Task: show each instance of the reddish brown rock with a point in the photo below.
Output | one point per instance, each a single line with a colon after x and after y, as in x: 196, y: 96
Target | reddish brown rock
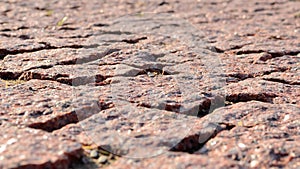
x: 45, y: 105
x: 285, y: 77
x: 137, y: 132
x: 13, y: 66
x: 35, y: 102
x: 31, y: 148
x: 261, y: 90
x: 254, y: 139
x: 236, y: 144
x: 74, y: 132
x: 116, y: 64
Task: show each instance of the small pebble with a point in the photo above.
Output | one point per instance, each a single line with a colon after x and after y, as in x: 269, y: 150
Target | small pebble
x: 286, y: 117
x: 242, y: 145
x: 94, y: 154
x: 102, y: 159
x: 254, y: 163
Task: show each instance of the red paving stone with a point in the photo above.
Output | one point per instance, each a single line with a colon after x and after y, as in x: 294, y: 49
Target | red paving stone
x: 160, y: 84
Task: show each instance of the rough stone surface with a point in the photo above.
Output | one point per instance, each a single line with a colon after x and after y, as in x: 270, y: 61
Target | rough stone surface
x: 34, y: 102
x: 149, y: 84
x: 256, y: 129
x: 32, y: 148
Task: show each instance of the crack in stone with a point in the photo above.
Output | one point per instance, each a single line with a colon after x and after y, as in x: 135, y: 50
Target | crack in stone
x: 274, y: 54
x: 134, y: 40
x: 195, y: 142
x: 101, y: 25
x: 5, y: 52
x: 92, y: 57
x: 16, y: 29
x: 207, y: 105
x: 10, y: 75
x: 219, y: 50
x: 245, y: 97
x: 282, y: 81
x: 56, y: 123
x: 152, y: 72
x: 27, y: 75
x: 65, y: 79
x: 76, y: 36
x: 114, y: 33
x: 215, y: 49
x: 242, y: 52
x: 244, y: 76
x: 23, y: 36
x: 71, y: 117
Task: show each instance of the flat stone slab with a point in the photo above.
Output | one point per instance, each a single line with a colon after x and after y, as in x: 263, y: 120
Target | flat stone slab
x: 137, y: 132
x: 46, y: 105
x: 37, y: 103
x: 236, y: 142
x: 32, y: 148
x: 257, y: 128
x: 262, y: 90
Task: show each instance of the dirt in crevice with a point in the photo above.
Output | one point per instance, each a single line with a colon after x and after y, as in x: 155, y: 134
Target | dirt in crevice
x: 94, y: 157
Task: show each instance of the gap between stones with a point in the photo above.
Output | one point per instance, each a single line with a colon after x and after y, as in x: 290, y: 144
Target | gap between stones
x: 5, y: 52
x: 69, y: 118
x: 60, y: 78
x: 56, y: 123
x: 281, y: 81
x: 245, y: 97
x: 195, y: 142
x: 64, y: 79
x: 204, y: 108
x: 244, y: 76
x: 18, y: 75
x: 274, y: 54
x: 16, y: 29
x: 219, y: 50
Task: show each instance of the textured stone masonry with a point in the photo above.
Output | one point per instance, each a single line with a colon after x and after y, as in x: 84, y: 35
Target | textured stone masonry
x: 149, y: 84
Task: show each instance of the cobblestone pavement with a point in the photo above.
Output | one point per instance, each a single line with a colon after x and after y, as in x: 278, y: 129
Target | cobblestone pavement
x: 149, y: 84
